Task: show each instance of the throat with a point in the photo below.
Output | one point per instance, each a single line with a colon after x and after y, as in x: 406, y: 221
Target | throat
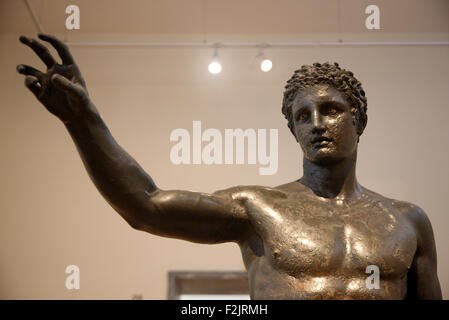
x: 337, y: 181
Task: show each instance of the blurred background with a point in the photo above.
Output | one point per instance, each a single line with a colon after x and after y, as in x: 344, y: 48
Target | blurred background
x: 51, y: 214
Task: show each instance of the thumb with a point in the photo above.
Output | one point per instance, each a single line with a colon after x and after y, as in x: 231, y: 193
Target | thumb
x: 64, y: 84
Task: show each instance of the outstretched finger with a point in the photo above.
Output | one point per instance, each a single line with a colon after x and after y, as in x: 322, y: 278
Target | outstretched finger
x: 32, y: 84
x: 64, y: 84
x: 40, y: 50
x: 60, y: 46
x: 29, y: 71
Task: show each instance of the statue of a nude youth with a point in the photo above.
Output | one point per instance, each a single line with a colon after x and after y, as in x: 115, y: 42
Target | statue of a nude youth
x: 311, y: 238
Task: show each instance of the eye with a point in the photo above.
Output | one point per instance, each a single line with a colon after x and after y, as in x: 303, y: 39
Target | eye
x: 331, y: 110
x: 303, y: 116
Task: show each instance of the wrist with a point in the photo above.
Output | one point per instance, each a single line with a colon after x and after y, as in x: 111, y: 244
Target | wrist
x: 89, y: 119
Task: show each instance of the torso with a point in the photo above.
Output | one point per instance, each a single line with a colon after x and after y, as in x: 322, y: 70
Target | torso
x: 301, y: 246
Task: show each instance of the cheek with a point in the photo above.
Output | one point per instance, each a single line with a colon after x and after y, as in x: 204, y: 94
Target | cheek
x: 303, y: 135
x: 344, y: 132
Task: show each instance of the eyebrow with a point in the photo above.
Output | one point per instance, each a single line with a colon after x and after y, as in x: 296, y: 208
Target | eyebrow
x: 323, y: 102
x: 297, y: 112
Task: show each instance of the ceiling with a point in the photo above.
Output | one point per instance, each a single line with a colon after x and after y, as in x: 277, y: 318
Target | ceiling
x: 247, y: 17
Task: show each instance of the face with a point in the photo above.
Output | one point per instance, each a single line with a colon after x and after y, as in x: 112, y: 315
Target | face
x: 324, y: 124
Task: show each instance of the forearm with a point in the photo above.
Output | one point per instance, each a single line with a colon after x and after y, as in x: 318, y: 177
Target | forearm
x: 118, y: 177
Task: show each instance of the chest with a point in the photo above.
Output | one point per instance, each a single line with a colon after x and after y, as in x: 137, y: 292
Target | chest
x: 315, y: 239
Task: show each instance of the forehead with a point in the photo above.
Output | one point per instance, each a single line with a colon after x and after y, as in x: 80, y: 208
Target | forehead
x: 317, y: 94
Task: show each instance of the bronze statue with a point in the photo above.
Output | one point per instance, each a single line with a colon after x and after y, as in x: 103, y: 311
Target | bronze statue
x: 312, y: 238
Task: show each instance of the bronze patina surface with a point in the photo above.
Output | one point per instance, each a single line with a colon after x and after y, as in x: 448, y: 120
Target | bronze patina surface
x: 312, y: 238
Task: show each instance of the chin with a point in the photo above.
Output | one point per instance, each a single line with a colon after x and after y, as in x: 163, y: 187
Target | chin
x: 324, y: 157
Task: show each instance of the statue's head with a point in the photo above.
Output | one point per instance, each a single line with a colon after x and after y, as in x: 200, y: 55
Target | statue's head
x: 326, y: 111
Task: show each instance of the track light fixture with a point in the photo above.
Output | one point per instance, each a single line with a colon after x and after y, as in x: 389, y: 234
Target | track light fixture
x: 215, y: 65
x: 264, y: 63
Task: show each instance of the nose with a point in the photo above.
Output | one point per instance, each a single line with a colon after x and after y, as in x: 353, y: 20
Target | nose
x: 317, y: 122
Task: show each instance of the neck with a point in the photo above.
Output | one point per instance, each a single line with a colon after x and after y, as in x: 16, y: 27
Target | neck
x: 337, y: 180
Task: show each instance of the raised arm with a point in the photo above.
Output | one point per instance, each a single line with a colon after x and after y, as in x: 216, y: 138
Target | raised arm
x: 193, y: 216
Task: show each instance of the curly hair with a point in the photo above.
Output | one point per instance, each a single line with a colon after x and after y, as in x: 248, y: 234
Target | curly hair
x: 331, y: 74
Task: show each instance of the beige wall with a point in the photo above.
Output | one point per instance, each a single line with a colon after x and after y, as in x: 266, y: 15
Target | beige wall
x: 52, y: 216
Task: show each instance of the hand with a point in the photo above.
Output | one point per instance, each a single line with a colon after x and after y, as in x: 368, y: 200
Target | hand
x: 61, y: 89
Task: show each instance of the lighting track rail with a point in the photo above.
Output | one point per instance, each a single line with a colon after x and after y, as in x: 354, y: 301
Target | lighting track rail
x: 222, y: 45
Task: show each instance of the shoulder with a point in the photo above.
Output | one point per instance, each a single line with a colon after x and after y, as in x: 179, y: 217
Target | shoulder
x: 413, y: 213
x: 293, y: 186
x: 416, y: 215
x: 231, y: 192
x: 407, y: 209
x: 250, y: 191
x: 418, y: 219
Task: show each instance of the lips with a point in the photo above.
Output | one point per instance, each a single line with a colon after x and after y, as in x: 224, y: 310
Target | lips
x: 321, y: 139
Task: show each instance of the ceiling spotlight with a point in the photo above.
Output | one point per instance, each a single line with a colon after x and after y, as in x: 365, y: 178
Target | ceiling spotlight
x: 215, y: 66
x: 266, y: 65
